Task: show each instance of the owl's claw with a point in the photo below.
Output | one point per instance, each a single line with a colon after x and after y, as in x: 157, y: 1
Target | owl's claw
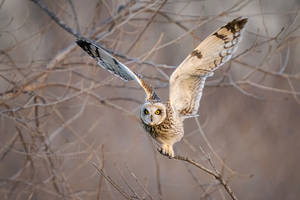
x: 166, y: 150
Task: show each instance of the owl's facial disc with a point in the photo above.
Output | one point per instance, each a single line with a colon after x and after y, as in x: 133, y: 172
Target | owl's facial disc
x: 153, y: 113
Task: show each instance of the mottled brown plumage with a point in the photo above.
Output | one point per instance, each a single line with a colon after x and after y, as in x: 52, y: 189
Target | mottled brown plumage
x: 164, y: 121
x: 168, y: 132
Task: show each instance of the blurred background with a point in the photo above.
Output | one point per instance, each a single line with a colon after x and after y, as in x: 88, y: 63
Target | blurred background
x: 70, y: 130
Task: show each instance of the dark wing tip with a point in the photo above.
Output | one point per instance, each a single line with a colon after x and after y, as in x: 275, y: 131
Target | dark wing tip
x: 241, y: 22
x: 86, y: 46
x: 82, y: 43
x: 236, y: 24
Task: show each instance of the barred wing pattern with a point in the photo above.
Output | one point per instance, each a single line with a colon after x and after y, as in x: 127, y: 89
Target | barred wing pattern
x: 187, y: 81
x: 108, y: 62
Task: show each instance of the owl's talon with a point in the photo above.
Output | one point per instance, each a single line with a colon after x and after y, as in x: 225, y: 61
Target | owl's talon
x: 166, y: 150
x: 159, y: 150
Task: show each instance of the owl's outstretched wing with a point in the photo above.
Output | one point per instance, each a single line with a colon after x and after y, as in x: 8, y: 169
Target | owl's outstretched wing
x: 187, y: 81
x: 108, y: 62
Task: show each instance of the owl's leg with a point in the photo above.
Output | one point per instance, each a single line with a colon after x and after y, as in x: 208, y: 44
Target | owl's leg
x: 167, y: 150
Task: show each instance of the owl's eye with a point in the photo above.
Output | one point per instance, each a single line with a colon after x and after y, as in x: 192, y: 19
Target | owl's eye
x: 146, y: 112
x: 158, y: 112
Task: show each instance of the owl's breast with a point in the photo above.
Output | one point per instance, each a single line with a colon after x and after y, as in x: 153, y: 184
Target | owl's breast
x: 150, y: 129
x: 169, y: 129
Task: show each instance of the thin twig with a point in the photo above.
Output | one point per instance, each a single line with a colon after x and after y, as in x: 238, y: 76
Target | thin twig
x: 208, y: 171
x: 55, y: 18
x: 112, y: 182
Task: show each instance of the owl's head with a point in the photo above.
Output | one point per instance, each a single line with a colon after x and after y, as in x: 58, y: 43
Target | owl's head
x: 153, y: 113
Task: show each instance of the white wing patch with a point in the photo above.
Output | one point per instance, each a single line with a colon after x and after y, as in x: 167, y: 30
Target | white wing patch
x: 187, y: 81
x: 108, y: 62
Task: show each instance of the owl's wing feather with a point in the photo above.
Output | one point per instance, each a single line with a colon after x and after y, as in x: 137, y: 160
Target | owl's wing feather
x: 187, y: 81
x: 108, y: 62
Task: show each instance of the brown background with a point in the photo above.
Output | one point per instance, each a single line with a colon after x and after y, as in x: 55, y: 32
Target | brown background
x: 77, y: 114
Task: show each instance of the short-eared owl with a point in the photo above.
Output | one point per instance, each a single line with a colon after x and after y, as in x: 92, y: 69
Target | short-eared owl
x: 164, y: 121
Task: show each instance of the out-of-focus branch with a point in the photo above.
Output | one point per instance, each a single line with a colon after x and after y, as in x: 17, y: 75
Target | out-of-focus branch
x: 55, y: 18
x: 146, y: 27
x: 75, y: 16
x: 112, y: 182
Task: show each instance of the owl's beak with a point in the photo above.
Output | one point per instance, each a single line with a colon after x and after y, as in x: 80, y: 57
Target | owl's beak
x: 151, y: 120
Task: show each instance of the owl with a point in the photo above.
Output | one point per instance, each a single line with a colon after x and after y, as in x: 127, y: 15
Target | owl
x: 164, y: 120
